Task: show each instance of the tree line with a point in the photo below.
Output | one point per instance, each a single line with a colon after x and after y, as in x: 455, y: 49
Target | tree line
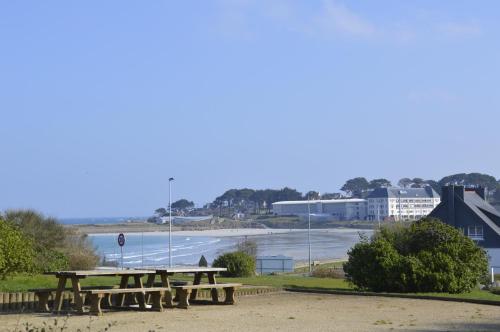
x: 261, y: 200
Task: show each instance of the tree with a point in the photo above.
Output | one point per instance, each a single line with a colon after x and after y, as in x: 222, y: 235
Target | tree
x: 418, y: 183
x: 379, y: 183
x: 56, y: 248
x: 238, y: 264
x: 427, y: 256
x: 203, y: 261
x: 471, y: 179
x: 434, y: 185
x: 182, y: 204
x: 16, y: 250
x: 405, y: 182
x: 356, y: 186
x: 331, y: 196
x: 312, y: 195
x: 161, y: 212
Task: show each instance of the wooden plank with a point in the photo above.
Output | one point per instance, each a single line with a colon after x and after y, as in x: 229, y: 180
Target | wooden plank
x: 208, y: 286
x: 90, y: 273
x: 125, y: 290
x: 195, y: 269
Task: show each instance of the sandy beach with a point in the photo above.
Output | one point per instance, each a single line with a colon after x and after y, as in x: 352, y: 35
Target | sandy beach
x: 226, y: 232
x: 292, y: 312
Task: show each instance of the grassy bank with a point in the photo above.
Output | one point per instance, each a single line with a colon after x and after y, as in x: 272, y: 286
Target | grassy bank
x: 23, y: 283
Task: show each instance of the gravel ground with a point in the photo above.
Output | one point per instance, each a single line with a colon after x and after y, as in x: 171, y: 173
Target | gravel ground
x: 289, y: 312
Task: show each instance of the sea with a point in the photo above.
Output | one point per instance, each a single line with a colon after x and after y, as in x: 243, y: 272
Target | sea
x: 152, y: 249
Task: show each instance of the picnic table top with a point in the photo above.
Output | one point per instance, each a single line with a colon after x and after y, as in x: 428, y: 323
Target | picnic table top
x: 189, y: 269
x: 111, y: 272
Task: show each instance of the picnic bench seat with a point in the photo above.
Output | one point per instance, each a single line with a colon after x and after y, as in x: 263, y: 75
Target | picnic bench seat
x: 183, y: 292
x: 44, y: 294
x: 157, y: 294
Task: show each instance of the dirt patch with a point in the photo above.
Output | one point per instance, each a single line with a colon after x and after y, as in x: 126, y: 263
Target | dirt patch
x: 292, y: 312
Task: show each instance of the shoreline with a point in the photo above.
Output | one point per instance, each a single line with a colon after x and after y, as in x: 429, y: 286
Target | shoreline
x: 138, y: 228
x: 231, y: 232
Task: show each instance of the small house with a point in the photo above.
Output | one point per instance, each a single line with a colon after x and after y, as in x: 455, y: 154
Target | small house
x: 468, y: 210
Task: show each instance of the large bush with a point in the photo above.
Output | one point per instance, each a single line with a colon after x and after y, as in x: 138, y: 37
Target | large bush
x: 427, y: 256
x: 238, y: 264
x: 56, y: 248
x: 16, y: 251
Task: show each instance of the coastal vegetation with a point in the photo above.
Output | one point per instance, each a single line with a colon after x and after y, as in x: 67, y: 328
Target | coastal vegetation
x: 46, y: 245
x: 238, y: 264
x: 426, y: 256
x: 16, y: 251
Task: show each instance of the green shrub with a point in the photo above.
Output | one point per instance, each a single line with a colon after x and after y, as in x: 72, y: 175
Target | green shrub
x: 495, y: 290
x: 56, y: 248
x: 51, y: 260
x: 81, y: 254
x: 238, y: 264
x: 427, y: 256
x: 16, y: 251
x: 322, y: 272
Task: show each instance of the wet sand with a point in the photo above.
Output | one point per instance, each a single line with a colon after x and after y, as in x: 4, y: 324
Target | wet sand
x: 293, y: 312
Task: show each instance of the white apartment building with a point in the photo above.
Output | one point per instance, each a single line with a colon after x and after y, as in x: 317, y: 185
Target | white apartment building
x: 333, y: 209
x: 401, y: 204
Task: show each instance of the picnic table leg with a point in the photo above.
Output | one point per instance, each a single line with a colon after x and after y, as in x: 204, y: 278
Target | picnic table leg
x: 60, y: 289
x: 150, y: 283
x: 211, y: 280
x: 75, y: 282
x: 197, y: 281
x: 140, y: 296
x: 165, y: 282
x: 121, y: 297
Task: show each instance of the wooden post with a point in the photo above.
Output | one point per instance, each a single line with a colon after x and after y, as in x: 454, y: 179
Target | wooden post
x: 12, y: 301
x: 6, y: 301
x: 1, y: 302
x: 31, y: 300
x: 150, y: 283
x: 120, y: 299
x: 211, y: 280
x: 60, y: 289
x: 25, y: 302
x: 140, y: 296
x: 75, y: 282
x: 197, y: 280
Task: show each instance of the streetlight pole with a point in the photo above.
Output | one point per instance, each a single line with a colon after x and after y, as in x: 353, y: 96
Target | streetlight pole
x: 170, y: 221
x: 309, y: 230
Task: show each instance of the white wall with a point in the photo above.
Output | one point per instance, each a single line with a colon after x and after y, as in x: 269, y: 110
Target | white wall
x: 494, y: 257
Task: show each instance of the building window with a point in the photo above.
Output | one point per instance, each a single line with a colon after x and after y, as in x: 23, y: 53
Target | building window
x: 476, y: 232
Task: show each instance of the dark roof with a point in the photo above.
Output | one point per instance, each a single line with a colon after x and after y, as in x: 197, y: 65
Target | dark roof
x: 403, y: 193
x: 470, y: 199
x: 483, y: 209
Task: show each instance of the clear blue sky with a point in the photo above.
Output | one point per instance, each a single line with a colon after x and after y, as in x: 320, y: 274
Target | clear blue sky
x: 102, y: 101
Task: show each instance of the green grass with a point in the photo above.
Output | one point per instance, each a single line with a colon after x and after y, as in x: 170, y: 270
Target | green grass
x: 23, y: 283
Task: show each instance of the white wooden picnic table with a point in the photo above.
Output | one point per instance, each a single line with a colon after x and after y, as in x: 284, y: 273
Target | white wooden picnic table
x: 198, y: 272
x: 76, y: 276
